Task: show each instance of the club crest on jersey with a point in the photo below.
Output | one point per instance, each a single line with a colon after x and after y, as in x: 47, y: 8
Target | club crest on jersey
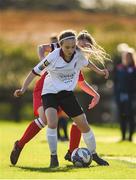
x: 45, y: 64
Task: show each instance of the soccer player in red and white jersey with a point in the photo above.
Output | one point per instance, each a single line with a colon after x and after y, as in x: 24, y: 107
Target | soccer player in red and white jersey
x: 55, y: 83
x: 40, y: 122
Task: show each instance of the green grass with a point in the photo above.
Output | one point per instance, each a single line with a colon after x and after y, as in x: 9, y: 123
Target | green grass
x: 34, y: 159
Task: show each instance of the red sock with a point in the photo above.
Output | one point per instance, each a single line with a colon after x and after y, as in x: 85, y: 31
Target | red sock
x: 75, y: 136
x: 30, y: 132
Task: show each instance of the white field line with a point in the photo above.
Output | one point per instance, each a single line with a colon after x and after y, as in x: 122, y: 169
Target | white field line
x: 122, y: 158
x: 111, y: 139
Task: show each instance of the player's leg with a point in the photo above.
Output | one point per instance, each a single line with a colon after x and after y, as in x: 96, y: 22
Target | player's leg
x: 36, y: 125
x: 50, y: 107
x: 75, y: 136
x: 51, y: 133
x: 72, y: 108
x: 33, y: 128
x: 89, y: 138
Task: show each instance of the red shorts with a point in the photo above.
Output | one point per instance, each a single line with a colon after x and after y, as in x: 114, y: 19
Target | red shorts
x: 37, y: 100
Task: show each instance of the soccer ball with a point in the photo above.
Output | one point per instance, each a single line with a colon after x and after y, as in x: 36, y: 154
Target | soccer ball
x: 81, y: 157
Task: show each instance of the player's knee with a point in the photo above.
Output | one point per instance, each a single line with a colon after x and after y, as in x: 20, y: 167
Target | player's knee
x: 52, y: 124
x: 44, y: 120
x: 84, y: 127
x: 40, y: 123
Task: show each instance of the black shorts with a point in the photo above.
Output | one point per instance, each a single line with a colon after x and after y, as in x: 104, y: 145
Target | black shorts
x: 64, y: 99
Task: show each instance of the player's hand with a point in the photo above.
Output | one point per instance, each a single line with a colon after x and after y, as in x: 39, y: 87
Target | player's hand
x: 94, y: 101
x: 105, y: 73
x: 18, y: 93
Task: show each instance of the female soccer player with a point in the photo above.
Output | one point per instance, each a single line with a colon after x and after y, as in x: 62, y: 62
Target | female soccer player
x: 63, y: 66
x: 36, y: 125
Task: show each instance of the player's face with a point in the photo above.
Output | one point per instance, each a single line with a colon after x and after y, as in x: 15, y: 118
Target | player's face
x: 68, y: 47
x: 127, y: 59
x: 83, y: 43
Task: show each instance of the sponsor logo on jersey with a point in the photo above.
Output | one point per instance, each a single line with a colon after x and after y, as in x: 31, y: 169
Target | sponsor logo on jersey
x: 66, y: 78
x: 61, y: 67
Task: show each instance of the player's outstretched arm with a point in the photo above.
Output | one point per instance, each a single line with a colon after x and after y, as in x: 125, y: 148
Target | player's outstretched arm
x: 89, y: 90
x: 28, y: 80
x: 103, y: 72
x: 42, y: 49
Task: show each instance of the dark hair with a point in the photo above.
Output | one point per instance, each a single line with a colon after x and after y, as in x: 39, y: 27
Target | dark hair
x: 54, y: 39
x: 131, y: 58
x: 65, y: 34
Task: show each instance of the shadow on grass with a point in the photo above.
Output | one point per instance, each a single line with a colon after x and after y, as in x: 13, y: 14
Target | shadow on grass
x: 47, y: 169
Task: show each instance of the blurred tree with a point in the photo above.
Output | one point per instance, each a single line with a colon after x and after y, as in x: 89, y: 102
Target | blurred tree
x: 40, y: 4
x: 115, y: 7
x: 15, y: 61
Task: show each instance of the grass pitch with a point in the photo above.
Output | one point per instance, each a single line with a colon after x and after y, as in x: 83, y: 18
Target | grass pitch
x: 34, y: 159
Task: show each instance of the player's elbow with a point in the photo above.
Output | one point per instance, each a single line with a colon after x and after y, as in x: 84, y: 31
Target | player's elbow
x: 80, y: 83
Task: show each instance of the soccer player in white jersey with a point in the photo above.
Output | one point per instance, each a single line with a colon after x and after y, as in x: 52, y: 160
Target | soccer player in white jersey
x: 63, y: 66
x: 84, y: 39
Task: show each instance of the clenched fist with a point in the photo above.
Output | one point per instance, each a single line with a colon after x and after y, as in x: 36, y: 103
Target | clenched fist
x: 18, y: 93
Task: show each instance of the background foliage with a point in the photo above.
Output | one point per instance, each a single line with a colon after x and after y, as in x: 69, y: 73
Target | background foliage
x: 24, y: 24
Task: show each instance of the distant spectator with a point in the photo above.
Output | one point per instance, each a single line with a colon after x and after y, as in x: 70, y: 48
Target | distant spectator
x: 125, y: 88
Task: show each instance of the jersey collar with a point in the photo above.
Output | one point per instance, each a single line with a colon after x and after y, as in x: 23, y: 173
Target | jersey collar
x: 62, y: 55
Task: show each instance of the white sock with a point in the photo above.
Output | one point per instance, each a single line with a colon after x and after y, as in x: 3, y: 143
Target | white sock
x: 89, y: 140
x: 52, y: 140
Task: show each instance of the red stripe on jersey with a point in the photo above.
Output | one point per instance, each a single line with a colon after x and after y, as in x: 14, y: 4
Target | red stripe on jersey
x: 81, y: 77
x: 39, y: 83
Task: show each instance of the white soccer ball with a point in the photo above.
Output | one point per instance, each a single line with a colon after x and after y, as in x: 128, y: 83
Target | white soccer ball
x: 81, y: 157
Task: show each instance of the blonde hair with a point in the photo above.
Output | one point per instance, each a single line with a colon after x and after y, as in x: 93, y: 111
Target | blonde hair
x: 125, y: 48
x: 122, y: 47
x: 94, y: 52
x: 134, y: 57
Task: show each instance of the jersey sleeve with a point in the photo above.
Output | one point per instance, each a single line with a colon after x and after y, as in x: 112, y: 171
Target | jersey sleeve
x: 81, y: 77
x: 45, y: 64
